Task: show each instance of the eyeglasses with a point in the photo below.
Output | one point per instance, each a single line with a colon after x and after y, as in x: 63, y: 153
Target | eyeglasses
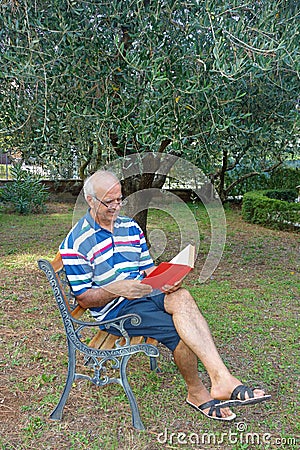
x: 109, y: 203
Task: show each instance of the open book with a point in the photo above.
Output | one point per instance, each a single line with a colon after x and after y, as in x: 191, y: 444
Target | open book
x: 175, y: 270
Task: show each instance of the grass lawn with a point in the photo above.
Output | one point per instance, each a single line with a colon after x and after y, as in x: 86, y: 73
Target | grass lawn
x: 251, y: 303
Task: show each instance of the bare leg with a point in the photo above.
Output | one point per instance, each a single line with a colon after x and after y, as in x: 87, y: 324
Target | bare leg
x: 194, y: 332
x: 187, y: 363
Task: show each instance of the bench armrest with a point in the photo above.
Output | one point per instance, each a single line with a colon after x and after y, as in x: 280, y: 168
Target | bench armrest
x: 117, y: 323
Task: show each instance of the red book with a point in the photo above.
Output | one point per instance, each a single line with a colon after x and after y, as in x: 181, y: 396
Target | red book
x: 175, y: 270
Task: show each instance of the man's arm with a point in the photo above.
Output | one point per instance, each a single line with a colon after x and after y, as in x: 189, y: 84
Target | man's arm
x: 99, y: 297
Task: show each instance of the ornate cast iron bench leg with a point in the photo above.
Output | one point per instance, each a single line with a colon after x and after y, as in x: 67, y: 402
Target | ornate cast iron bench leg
x: 57, y: 413
x: 136, y: 418
x: 153, y: 365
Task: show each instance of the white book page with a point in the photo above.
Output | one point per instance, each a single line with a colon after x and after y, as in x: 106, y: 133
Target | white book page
x: 186, y: 256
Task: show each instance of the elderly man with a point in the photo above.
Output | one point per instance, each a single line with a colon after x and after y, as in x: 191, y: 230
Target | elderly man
x: 105, y: 256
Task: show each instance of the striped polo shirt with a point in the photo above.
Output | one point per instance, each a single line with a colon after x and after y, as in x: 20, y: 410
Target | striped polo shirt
x: 94, y: 257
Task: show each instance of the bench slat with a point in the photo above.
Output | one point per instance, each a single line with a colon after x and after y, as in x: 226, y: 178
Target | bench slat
x: 78, y: 312
x: 109, y: 342
x: 57, y: 263
x: 98, y: 339
x: 136, y: 340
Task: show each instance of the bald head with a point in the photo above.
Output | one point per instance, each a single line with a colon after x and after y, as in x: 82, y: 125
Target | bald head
x: 101, y: 182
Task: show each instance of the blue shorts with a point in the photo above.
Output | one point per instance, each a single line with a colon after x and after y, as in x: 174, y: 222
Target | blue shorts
x: 156, y: 322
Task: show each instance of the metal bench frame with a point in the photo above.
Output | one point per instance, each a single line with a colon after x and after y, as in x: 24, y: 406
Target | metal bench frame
x: 104, y: 348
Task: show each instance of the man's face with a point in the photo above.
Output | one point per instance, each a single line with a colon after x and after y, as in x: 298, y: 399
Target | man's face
x: 106, y: 203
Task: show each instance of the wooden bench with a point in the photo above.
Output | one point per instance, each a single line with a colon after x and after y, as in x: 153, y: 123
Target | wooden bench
x: 106, y: 354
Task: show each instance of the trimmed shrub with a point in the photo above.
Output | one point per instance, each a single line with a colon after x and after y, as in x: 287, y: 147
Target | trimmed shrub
x: 25, y: 193
x: 280, y: 178
x: 272, y: 208
x: 284, y: 178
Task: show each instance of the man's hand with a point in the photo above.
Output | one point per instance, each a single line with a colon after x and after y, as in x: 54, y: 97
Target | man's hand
x: 168, y: 289
x: 99, y: 297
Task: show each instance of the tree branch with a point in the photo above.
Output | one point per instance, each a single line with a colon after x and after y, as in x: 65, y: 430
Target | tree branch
x: 251, y: 174
x: 164, y: 144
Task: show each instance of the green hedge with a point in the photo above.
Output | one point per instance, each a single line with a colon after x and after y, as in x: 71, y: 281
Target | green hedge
x: 272, y: 208
x: 280, y: 178
x: 284, y: 178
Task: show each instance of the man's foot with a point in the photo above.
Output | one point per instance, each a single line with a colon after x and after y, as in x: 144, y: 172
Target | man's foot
x: 243, y: 395
x: 239, y: 394
x: 213, y: 410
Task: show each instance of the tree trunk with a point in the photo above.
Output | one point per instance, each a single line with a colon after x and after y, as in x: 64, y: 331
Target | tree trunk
x: 141, y: 219
x: 82, y: 174
x: 222, y: 173
x: 142, y: 179
x: 139, y: 203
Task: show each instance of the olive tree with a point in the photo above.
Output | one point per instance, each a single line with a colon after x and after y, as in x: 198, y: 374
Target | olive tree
x: 84, y: 82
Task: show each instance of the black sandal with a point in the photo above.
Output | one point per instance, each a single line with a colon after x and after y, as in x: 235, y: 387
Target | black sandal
x: 215, y: 407
x: 238, y: 397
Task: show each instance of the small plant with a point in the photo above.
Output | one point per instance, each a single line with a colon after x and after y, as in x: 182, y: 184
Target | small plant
x: 25, y: 193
